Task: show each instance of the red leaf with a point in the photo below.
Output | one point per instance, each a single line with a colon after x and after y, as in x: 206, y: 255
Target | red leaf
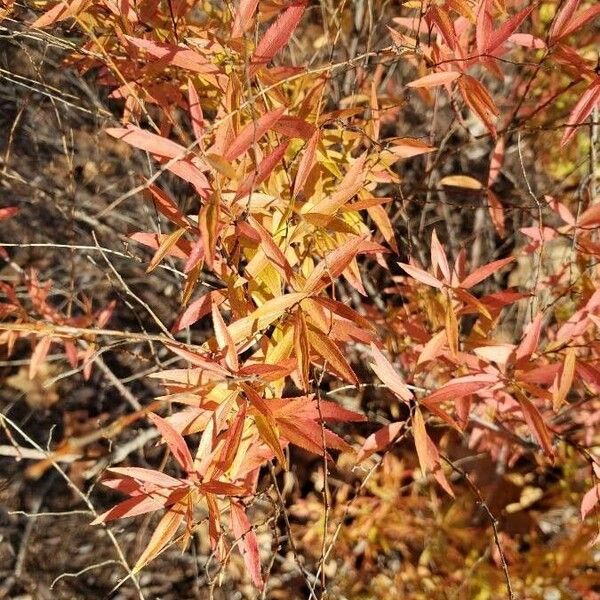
x: 582, y: 110
x: 251, y: 133
x: 175, y: 441
x: 254, y: 179
x: 178, y: 56
x: 157, y: 478
x: 527, y: 41
x: 277, y: 36
x: 8, y: 211
x: 579, y: 20
x: 243, y: 17
x: 197, y: 309
x: 590, y: 500
x: 246, y: 539
x: 484, y: 272
x: 562, y: 18
x: 163, y: 148
x: 132, y: 507
x: 531, y: 339
x: 499, y: 35
x: 139, y: 505
x: 379, y: 440
x: 460, y: 387
x: 536, y: 424
x: 330, y: 411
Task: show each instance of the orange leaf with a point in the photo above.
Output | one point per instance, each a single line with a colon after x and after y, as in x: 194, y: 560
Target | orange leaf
x: 590, y: 500
x: 566, y: 379
x: 421, y: 438
x: 63, y: 10
x: 429, y: 458
x: 325, y: 348
x: 333, y: 264
x: 306, y: 162
x: 302, y: 348
x: 232, y: 440
x: 438, y: 257
x: 451, y: 327
x: 38, y: 356
x: 388, y: 375
x: 165, y: 248
x: 167, y: 206
x: 562, y: 18
x: 422, y: 276
x: 162, y: 535
x: 224, y: 339
x: 8, y: 211
x: 496, y: 212
x: 196, y: 115
x: 531, y: 339
x: 434, y: 79
x: 382, y: 220
x: 479, y: 100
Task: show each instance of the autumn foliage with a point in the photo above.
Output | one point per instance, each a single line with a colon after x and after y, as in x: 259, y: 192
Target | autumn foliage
x: 387, y: 261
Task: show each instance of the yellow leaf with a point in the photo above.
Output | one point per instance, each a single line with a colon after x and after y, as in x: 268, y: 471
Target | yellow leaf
x: 463, y: 181
x: 263, y: 316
